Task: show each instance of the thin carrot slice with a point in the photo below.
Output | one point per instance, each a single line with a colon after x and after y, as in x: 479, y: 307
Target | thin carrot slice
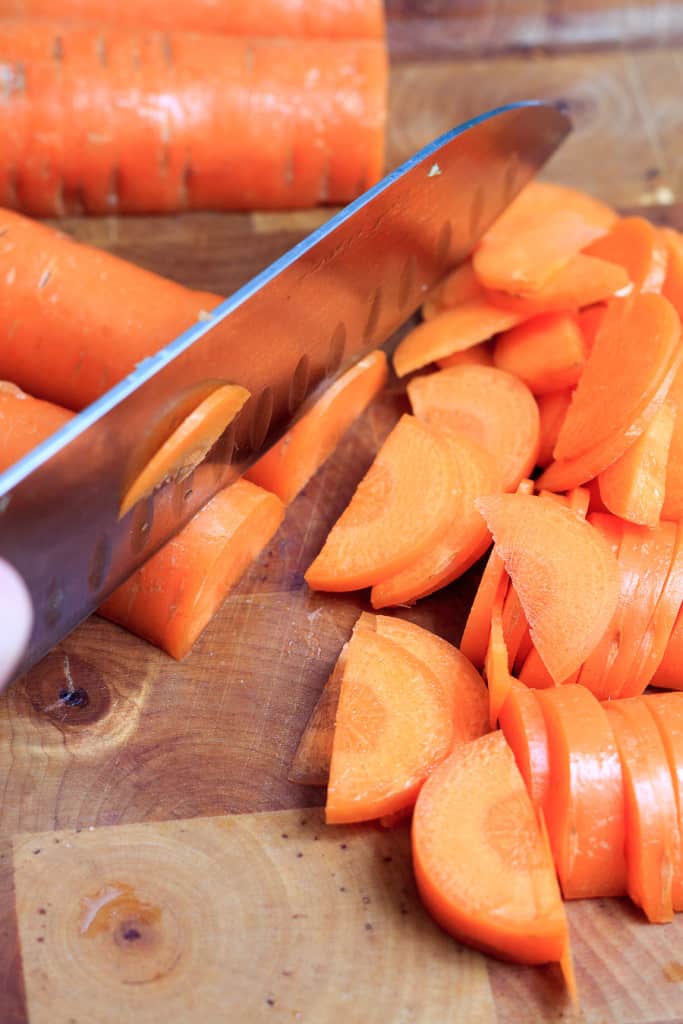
x: 478, y: 355
x: 188, y: 443
x: 552, y: 409
x: 523, y: 725
x: 596, y: 504
x: 672, y: 288
x: 633, y: 487
x: 651, y: 816
x: 582, y: 282
x: 482, y: 868
x: 459, y: 286
x: 547, y: 352
x: 667, y: 712
x: 289, y: 465
x: 488, y: 405
x: 393, y: 726
x: 669, y: 674
x: 515, y: 626
x: 525, y: 647
x: 592, y: 670
x: 416, y: 478
x: 533, y: 672
x: 172, y: 597
x: 585, y: 805
x: 673, y: 496
x: 465, y: 539
x: 564, y: 572
x: 589, y: 321
x: 452, y: 331
x: 636, y: 245
x: 25, y: 422
x: 497, y: 673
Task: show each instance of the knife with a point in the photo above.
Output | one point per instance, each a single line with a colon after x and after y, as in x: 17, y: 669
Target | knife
x: 284, y: 336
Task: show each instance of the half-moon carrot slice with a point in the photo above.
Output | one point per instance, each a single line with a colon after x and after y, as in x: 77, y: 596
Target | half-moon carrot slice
x: 585, y: 805
x: 25, y: 422
x: 672, y: 288
x: 289, y: 465
x: 633, y: 487
x: 592, y: 670
x: 481, y: 865
x: 465, y: 539
x: 523, y: 725
x: 490, y: 406
x: 667, y: 712
x: 459, y: 286
x: 650, y: 812
x: 583, y: 281
x: 564, y: 572
x: 552, y: 409
x: 497, y: 673
x: 393, y: 726
x: 669, y: 674
x: 673, y: 496
x: 478, y: 355
x: 636, y: 245
x: 547, y: 352
x: 451, y: 331
x: 400, y: 509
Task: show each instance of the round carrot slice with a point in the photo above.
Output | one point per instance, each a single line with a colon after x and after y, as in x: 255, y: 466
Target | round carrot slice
x: 523, y: 725
x: 481, y: 864
x: 585, y: 806
x: 667, y: 711
x: 394, y: 725
x: 636, y: 245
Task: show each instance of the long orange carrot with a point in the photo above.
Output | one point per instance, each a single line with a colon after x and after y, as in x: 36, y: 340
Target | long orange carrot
x: 547, y: 352
x: 107, y: 120
x: 636, y: 245
x: 25, y: 422
x: 289, y: 465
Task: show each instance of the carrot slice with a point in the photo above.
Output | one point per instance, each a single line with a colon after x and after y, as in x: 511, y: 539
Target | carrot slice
x: 651, y: 816
x: 478, y: 355
x: 547, y: 352
x: 543, y: 544
x: 187, y: 445
x: 669, y: 674
x: 533, y: 672
x: 393, y: 726
x: 667, y: 712
x: 459, y: 286
x: 416, y: 478
x: 673, y: 282
x: 589, y: 321
x: 515, y: 626
x: 172, y: 597
x: 525, y: 647
x: 481, y: 865
x: 488, y: 405
x: 497, y: 673
x: 592, y: 671
x: 290, y: 464
x: 584, y: 281
x: 452, y: 331
x: 673, y: 497
x: 636, y: 245
x: 465, y: 539
x: 585, y: 805
x: 25, y: 422
x: 523, y: 725
x: 552, y: 409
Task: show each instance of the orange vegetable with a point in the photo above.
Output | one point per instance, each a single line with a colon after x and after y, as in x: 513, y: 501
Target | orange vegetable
x: 667, y: 711
x: 478, y: 355
x: 633, y: 487
x: 547, y: 352
x: 290, y: 464
x: 165, y: 99
x: 418, y: 477
x: 488, y: 405
x: 672, y: 288
x: 515, y: 626
x: 394, y: 725
x: 172, y: 597
x: 673, y: 496
x: 589, y: 321
x: 498, y: 675
x: 669, y: 674
x: 523, y: 725
x: 585, y: 803
x: 457, y: 287
x: 651, y: 815
x: 581, y: 282
x: 564, y: 572
x: 465, y: 538
x: 535, y: 675
x: 552, y: 409
x: 25, y: 422
x: 596, y: 503
x: 636, y: 245
x: 592, y: 672
x: 481, y: 864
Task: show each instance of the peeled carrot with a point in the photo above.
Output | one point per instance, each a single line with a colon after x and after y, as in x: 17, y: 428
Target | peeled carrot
x: 25, y: 422
x: 592, y: 671
x: 172, y: 597
x: 547, y: 352
x: 673, y: 496
x: 351, y: 19
x: 482, y: 867
x: 416, y: 478
x: 290, y: 464
x: 450, y: 332
x: 672, y: 288
x: 459, y: 286
x: 669, y: 674
x: 636, y: 245
x: 121, y: 119
x: 584, y: 807
x: 488, y: 405
x: 583, y: 281
x: 465, y: 538
x: 552, y: 409
x: 651, y: 815
x: 75, y: 320
x: 564, y: 572
x: 667, y: 712
x: 633, y: 487
x: 523, y: 725
x: 393, y: 727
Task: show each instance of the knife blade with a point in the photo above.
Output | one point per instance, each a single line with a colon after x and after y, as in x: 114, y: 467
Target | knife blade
x: 284, y: 336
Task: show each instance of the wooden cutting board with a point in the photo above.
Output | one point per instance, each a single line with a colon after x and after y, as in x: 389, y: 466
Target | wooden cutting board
x: 155, y: 863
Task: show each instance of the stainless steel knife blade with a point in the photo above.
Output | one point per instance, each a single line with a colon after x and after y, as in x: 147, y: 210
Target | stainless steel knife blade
x: 285, y: 335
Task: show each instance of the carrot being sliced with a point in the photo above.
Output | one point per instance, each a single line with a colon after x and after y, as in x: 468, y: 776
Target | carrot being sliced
x: 673, y: 496
x: 451, y: 331
x: 465, y: 539
x: 650, y: 813
x: 583, y: 281
x: 497, y: 673
x: 478, y: 355
x: 488, y: 405
x: 547, y: 352
x: 290, y: 464
x: 564, y: 572
x: 636, y: 245
x: 523, y: 725
x: 552, y: 409
x: 667, y: 712
x: 25, y: 422
x: 481, y: 865
x: 172, y: 597
x: 672, y: 288
x: 394, y: 725
x: 459, y: 286
x: 416, y: 478
x: 585, y: 805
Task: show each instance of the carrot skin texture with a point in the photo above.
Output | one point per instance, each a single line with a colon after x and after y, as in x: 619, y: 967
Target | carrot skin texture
x: 25, y: 422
